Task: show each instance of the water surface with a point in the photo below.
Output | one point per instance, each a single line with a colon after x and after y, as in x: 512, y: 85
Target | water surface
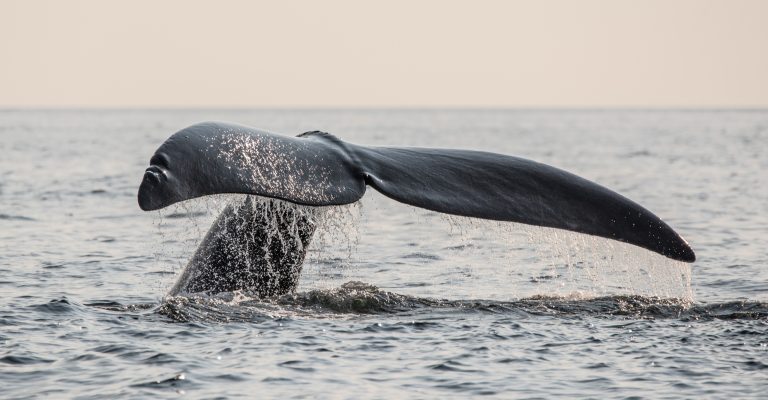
x: 394, y: 301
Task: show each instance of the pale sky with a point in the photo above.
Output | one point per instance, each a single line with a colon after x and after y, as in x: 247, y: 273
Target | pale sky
x: 413, y: 53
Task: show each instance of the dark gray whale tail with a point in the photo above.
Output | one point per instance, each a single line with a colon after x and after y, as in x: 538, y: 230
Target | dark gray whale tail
x: 254, y: 247
x: 318, y: 169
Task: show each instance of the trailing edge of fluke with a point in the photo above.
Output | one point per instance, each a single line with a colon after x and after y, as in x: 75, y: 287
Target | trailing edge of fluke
x: 318, y: 169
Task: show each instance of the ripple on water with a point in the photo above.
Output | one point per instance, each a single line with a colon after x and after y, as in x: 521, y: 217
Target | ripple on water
x: 64, y: 234
x: 56, y: 306
x: 358, y: 298
x: 177, y: 381
x: 160, y: 358
x: 24, y: 360
x: 7, y: 217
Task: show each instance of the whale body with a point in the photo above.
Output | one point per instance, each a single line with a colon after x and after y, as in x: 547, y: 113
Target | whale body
x: 319, y: 169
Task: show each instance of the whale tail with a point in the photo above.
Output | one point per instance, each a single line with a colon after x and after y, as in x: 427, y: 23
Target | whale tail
x: 254, y: 247
x: 504, y: 188
x: 319, y: 169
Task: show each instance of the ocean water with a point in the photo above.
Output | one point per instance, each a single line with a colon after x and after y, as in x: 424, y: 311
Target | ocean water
x: 394, y: 301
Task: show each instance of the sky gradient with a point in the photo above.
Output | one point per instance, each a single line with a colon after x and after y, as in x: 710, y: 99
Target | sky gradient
x: 544, y: 53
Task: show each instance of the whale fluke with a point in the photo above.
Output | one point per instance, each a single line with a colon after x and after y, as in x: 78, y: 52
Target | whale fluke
x: 318, y: 169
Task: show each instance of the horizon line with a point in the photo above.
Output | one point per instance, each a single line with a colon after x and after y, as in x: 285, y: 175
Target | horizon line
x: 5, y: 108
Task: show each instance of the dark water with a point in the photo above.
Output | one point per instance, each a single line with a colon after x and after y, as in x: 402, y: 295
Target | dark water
x: 395, y: 301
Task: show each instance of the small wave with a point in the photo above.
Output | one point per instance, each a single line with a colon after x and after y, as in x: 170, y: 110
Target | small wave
x: 356, y: 297
x: 359, y: 298
x: 56, y: 306
x: 351, y: 298
x: 191, y: 214
x: 160, y: 358
x: 631, y: 307
x: 104, y: 239
x: 639, y: 153
x: 177, y: 381
x: 8, y: 217
x: 110, y: 305
x: 24, y: 360
x: 421, y: 256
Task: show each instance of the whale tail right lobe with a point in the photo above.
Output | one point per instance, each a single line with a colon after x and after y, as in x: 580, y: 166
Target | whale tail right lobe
x: 504, y: 188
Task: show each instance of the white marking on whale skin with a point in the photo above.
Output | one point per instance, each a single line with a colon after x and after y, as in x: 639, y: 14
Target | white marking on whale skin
x: 270, y: 164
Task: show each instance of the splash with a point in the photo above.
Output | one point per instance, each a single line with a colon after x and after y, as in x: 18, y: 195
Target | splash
x: 183, y: 227
x: 332, y: 255
x: 445, y: 256
x: 596, y: 267
x: 257, y: 246
x: 551, y: 262
x: 355, y: 299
